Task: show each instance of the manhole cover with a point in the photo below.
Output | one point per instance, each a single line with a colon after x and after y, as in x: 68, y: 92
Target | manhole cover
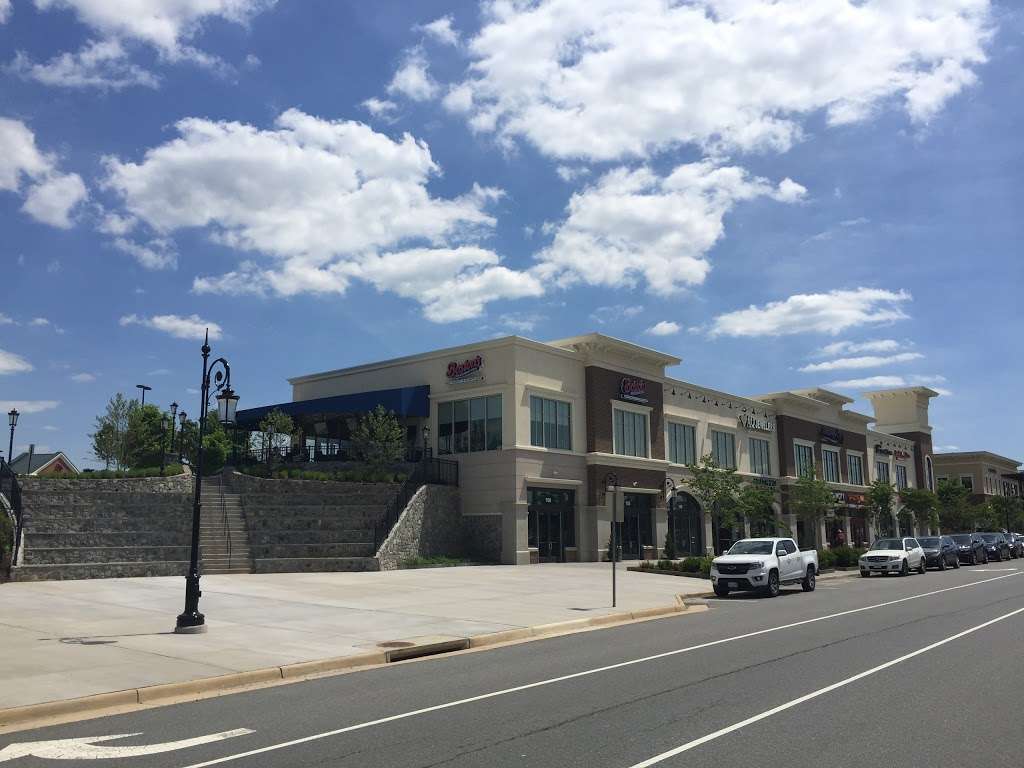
x: 396, y: 644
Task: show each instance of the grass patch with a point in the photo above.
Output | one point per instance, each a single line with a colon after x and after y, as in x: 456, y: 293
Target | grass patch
x: 115, y: 474
x: 364, y: 475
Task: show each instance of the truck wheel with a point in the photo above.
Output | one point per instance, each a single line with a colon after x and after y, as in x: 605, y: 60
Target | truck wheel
x: 721, y: 591
x: 905, y: 568
x: 808, y: 583
x: 772, y: 590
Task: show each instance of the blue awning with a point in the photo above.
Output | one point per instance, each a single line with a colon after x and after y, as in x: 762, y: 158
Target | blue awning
x: 405, y: 401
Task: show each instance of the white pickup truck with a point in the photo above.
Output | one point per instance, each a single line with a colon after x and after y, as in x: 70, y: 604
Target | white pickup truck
x: 763, y: 565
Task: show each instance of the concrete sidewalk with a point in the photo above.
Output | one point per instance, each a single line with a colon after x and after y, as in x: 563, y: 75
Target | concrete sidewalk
x: 66, y: 639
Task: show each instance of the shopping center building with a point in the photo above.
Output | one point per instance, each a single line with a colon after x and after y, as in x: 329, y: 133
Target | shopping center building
x: 555, y: 438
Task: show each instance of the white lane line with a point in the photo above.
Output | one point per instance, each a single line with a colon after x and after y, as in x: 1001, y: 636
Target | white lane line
x: 815, y: 694
x: 584, y: 673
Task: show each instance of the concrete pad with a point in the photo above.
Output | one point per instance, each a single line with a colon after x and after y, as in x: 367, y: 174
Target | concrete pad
x: 75, y: 638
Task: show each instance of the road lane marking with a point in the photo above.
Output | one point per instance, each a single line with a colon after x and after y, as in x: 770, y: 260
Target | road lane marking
x: 815, y: 694
x: 584, y: 673
x: 86, y: 748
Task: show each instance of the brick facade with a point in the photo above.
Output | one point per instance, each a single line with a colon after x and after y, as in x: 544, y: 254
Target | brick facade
x: 603, y: 387
x: 791, y: 428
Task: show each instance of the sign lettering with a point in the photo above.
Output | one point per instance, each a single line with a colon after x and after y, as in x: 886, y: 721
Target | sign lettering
x: 633, y: 389
x: 468, y: 370
x: 756, y: 423
x: 831, y: 435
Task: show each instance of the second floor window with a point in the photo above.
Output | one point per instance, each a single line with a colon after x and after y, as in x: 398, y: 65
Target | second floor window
x: 629, y: 433
x: 723, y: 449
x: 550, y: 424
x: 882, y: 471
x: 901, y: 477
x: 465, y: 426
x: 760, y: 457
x: 682, y: 443
x: 967, y: 482
x: 804, y: 460
x: 830, y: 466
x: 855, y: 465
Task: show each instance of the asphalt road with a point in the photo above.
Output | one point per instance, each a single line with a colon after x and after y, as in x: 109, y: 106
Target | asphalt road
x: 911, y: 671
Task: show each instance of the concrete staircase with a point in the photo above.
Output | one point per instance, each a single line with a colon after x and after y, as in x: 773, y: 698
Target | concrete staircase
x: 223, y: 534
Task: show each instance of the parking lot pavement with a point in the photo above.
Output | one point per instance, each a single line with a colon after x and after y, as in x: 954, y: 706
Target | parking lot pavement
x: 66, y: 639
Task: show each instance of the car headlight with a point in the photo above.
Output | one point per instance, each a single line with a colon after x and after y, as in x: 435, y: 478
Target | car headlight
x: 758, y: 566
x: 895, y: 559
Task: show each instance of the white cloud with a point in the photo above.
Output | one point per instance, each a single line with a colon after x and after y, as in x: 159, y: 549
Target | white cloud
x: 158, y: 254
x: 113, y: 224
x: 380, y: 107
x: 459, y: 99
x: 100, y: 64
x: 5, y: 320
x: 5, y: 10
x: 12, y: 363
x: 160, y: 372
x: 83, y: 378
x: 521, y: 323
x: 866, y: 361
x: 413, y: 79
x: 856, y: 347
x: 191, y: 327
x: 832, y: 312
x: 893, y: 382
x: 664, y: 328
x: 50, y: 428
x: 571, y: 173
x: 327, y: 202
x: 52, y: 200
x: 441, y: 30
x: 51, y: 195
x: 615, y: 314
x: 164, y: 24
x: 634, y: 223
x: 28, y: 406
x: 607, y: 79
x: 947, y: 447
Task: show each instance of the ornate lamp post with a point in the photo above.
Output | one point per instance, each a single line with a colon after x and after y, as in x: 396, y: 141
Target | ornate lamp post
x: 164, y: 420
x: 182, y: 418
x: 191, y: 620
x: 12, y: 420
x: 612, y: 480
x: 174, y: 414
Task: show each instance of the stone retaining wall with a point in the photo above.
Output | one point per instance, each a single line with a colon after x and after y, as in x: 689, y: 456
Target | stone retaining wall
x: 482, y: 537
x: 430, y: 525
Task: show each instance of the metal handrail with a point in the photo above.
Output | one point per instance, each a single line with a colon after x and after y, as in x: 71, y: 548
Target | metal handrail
x: 224, y: 517
x: 429, y: 471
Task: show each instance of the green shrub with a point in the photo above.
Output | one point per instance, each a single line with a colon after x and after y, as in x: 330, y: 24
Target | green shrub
x: 826, y: 559
x: 435, y: 561
x: 112, y: 474
x: 846, y: 556
x: 690, y: 564
x: 6, y: 535
x: 670, y: 547
x: 705, y: 567
x: 362, y: 475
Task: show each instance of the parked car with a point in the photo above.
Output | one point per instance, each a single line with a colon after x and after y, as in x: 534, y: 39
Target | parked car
x: 970, y: 547
x: 1016, y: 542
x: 893, y: 556
x: 996, y: 546
x: 763, y: 565
x: 939, y: 552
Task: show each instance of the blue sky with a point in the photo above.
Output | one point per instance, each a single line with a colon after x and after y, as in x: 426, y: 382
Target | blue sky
x: 758, y: 188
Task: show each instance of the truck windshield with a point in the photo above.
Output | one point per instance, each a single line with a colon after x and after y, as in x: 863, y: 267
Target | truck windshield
x: 751, y: 548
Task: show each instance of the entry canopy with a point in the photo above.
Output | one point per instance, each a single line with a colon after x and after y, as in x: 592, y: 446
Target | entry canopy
x: 405, y: 401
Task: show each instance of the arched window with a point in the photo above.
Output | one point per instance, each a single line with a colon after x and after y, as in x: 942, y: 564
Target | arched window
x: 686, y: 526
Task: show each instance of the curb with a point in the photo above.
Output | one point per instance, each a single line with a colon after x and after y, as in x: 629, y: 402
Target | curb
x: 100, y: 704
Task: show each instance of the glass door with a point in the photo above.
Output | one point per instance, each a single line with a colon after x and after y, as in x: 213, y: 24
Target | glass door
x: 685, y: 525
x: 635, y: 530
x: 552, y: 523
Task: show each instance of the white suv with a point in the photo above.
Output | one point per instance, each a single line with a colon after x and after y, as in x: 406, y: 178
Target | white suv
x: 893, y: 556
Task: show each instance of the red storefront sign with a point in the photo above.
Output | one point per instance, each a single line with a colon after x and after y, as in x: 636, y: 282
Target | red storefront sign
x: 467, y: 370
x: 633, y: 389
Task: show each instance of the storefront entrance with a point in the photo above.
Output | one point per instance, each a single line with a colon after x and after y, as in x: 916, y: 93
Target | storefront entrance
x: 552, y: 522
x: 636, y: 529
x: 685, y: 526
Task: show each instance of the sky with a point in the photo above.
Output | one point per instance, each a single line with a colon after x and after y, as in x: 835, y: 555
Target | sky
x: 785, y: 194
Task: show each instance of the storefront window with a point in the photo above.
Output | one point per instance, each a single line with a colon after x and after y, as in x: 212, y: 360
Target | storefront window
x: 855, y: 465
x: 760, y: 457
x: 804, y: 460
x: 682, y: 443
x: 469, y: 425
x: 723, y: 449
x: 830, y: 465
x: 550, y: 424
x: 630, y: 433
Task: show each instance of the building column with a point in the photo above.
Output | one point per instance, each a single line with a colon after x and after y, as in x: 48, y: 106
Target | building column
x: 848, y: 530
x: 821, y: 535
x: 709, y: 533
x: 660, y: 530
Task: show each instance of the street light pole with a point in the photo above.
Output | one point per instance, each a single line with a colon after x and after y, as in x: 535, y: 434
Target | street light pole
x: 611, y: 479
x: 144, y: 389
x: 182, y: 419
x: 12, y: 420
x: 174, y: 415
x: 191, y: 621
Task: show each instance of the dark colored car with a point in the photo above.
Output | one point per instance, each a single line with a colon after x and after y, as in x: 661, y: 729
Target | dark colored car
x: 970, y: 547
x: 939, y: 552
x: 996, y: 546
x: 1016, y: 542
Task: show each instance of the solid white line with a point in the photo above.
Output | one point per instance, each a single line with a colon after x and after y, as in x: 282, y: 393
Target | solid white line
x: 584, y: 673
x: 814, y: 694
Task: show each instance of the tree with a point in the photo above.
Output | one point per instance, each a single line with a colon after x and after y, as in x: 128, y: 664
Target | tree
x: 669, y: 550
x: 881, y: 498
x: 922, y: 504
x: 105, y: 443
x: 756, y: 504
x: 146, y: 440
x: 956, y: 513
x: 109, y: 441
x: 811, y: 499
x: 378, y: 438
x: 216, y: 444
x: 717, y: 490
x: 1006, y: 512
x: 276, y: 427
